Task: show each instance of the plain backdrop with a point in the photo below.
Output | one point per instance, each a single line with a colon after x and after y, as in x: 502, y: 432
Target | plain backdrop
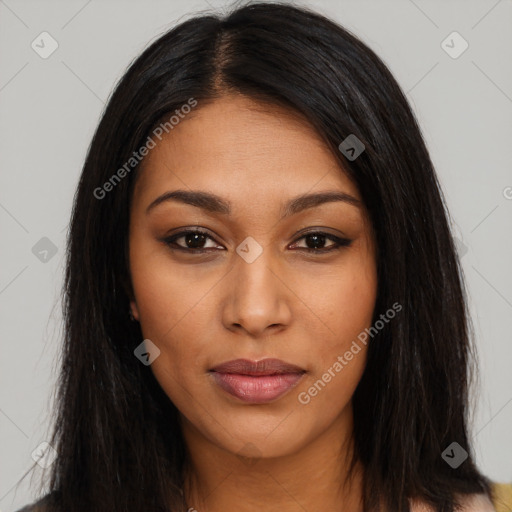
x: 49, y: 109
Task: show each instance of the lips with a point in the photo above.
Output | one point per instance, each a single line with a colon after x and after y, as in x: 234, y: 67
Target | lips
x: 257, y: 381
x: 263, y: 367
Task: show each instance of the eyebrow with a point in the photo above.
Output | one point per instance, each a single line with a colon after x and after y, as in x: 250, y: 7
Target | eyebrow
x: 215, y: 204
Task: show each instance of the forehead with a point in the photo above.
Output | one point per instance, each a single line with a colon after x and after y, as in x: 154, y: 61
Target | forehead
x: 238, y: 147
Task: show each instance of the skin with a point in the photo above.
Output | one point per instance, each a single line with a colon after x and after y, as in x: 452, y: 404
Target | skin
x: 205, y: 309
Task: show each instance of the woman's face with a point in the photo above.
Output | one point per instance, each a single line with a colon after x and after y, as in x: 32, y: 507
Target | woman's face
x: 256, y: 292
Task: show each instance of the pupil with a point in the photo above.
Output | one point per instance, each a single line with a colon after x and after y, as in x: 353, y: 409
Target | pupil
x: 317, y: 240
x: 194, y: 238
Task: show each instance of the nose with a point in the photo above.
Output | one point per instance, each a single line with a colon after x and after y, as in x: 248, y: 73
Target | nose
x: 259, y: 300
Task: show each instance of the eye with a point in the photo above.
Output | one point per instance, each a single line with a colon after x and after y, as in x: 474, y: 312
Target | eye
x: 315, y: 242
x: 192, y: 241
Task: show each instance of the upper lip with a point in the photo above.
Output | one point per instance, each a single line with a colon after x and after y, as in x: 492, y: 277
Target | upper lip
x: 263, y: 367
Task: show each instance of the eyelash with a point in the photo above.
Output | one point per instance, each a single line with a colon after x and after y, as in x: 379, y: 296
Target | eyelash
x: 339, y: 243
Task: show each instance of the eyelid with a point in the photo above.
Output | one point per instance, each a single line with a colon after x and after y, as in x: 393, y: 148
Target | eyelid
x: 340, y: 242
x: 185, y: 231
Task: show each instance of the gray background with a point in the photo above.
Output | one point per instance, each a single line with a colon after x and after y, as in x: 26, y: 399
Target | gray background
x: 50, y: 107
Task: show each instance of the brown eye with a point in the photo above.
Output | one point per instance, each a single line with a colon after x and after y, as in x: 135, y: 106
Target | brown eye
x: 315, y: 242
x: 192, y: 241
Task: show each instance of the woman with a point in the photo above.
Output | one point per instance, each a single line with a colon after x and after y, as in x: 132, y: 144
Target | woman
x: 264, y: 310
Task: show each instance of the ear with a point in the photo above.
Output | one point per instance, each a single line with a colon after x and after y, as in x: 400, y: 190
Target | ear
x: 128, y: 289
x: 134, y: 309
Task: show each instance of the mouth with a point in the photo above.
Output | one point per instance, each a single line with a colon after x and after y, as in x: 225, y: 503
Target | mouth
x: 257, y: 382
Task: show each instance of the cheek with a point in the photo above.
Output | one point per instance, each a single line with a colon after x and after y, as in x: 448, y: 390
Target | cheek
x: 168, y: 314
x: 166, y: 295
x: 171, y: 317
x: 346, y: 302
x: 346, y: 305
x: 172, y: 323
x: 352, y: 306
x: 339, y: 359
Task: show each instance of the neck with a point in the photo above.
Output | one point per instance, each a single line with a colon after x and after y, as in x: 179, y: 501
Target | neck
x: 313, y: 477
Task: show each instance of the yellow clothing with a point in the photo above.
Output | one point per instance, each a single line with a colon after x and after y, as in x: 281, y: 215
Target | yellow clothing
x: 502, y: 497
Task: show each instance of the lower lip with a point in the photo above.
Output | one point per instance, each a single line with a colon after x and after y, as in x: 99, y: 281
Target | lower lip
x: 257, y: 389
